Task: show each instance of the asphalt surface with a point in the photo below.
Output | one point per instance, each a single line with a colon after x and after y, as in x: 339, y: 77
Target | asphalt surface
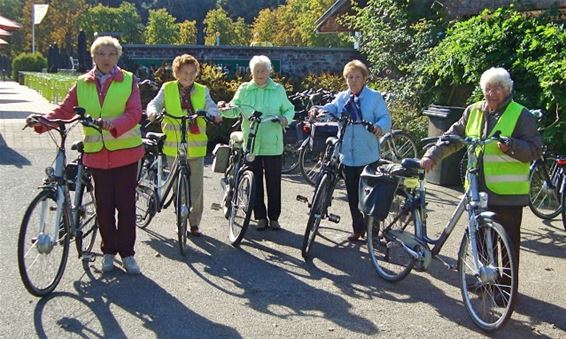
x: 265, y: 288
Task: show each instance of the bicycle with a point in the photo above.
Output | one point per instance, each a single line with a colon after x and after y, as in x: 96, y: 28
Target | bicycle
x: 561, y: 186
x: 398, y: 241
x: 153, y: 192
x: 330, y: 174
x: 239, y: 179
x: 63, y: 210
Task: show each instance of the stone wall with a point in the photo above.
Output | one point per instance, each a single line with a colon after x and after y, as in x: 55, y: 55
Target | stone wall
x: 289, y: 61
x: 459, y: 8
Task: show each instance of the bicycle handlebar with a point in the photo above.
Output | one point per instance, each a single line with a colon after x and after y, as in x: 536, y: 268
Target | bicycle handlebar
x: 80, y: 115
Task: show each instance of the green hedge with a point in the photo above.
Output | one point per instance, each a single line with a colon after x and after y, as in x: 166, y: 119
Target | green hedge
x: 29, y: 62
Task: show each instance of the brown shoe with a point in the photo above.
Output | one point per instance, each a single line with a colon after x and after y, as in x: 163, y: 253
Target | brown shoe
x: 195, y: 231
x: 356, y: 237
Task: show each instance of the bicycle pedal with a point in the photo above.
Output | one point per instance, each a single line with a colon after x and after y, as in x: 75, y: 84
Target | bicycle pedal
x: 302, y: 199
x: 333, y: 218
x: 88, y: 257
x: 216, y: 206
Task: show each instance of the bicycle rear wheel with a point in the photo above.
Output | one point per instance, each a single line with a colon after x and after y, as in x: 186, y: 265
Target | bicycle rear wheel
x: 182, y: 207
x: 489, y: 293
x: 289, y: 158
x: 87, y: 225
x: 41, y: 260
x: 388, y: 256
x: 317, y: 211
x: 310, y: 164
x: 544, y: 196
x: 241, y: 209
x: 397, y: 146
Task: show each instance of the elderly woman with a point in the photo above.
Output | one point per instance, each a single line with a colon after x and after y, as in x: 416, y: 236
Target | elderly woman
x: 360, y: 147
x: 508, y: 193
x: 264, y: 95
x: 111, y: 95
x: 180, y: 97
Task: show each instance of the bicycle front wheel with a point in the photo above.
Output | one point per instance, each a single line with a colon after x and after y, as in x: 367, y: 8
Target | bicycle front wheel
x: 145, y: 197
x: 310, y: 164
x: 544, y: 197
x: 42, y: 256
x: 317, y: 210
x: 388, y: 256
x: 397, y: 146
x: 87, y: 225
x: 241, y: 209
x: 489, y: 292
x: 182, y: 207
x: 289, y: 158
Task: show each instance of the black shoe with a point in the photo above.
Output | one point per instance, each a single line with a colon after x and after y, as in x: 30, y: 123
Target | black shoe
x: 262, y: 224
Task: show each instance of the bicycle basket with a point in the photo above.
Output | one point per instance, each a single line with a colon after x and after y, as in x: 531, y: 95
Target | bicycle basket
x: 377, y: 189
x: 221, y: 155
x: 320, y: 131
x: 71, y: 174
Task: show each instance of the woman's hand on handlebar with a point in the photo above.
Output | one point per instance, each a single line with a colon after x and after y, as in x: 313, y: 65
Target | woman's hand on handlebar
x: 223, y: 105
x: 427, y: 163
x: 151, y: 116
x: 104, y: 124
x: 377, y: 131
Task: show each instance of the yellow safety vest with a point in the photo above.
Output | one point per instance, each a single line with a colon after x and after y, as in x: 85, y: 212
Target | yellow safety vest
x: 196, y: 143
x: 503, y: 174
x: 113, y: 107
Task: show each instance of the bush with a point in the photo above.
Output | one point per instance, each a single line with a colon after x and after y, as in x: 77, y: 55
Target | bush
x: 28, y: 62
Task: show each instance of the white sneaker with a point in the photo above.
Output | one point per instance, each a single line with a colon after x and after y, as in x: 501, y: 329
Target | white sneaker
x: 131, y: 265
x: 108, y: 263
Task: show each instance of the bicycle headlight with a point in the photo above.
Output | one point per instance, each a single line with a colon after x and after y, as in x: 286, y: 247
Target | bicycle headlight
x: 250, y: 157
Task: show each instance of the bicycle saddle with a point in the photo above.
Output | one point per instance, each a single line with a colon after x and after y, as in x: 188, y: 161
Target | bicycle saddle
x: 78, y: 146
x: 155, y: 136
x: 236, y: 137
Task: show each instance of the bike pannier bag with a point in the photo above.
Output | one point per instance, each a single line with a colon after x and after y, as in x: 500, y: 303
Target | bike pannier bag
x: 320, y: 131
x: 377, y: 189
x: 71, y: 171
x: 221, y: 154
x: 293, y: 134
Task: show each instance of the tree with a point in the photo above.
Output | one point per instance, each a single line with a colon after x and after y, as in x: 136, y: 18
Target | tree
x: 124, y: 19
x: 230, y: 32
x: 187, y: 33
x: 161, y: 28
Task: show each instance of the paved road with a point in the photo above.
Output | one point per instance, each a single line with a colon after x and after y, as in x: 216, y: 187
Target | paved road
x: 264, y: 289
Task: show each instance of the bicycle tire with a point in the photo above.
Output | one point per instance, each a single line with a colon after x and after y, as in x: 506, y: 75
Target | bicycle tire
x: 316, y: 213
x: 488, y: 303
x: 146, y: 201
x: 397, y: 145
x: 182, y: 207
x: 563, y: 208
x: 87, y: 224
x: 388, y: 256
x: 310, y: 164
x: 29, y: 256
x: 241, y: 207
x: 544, y: 196
x: 289, y: 158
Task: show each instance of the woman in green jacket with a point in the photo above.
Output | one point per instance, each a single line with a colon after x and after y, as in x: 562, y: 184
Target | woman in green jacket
x: 264, y: 95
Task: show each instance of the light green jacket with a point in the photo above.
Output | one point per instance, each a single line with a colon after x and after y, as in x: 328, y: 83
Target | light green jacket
x: 271, y: 100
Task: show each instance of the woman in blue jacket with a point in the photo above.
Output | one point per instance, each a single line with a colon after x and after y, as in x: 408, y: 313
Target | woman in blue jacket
x: 360, y: 147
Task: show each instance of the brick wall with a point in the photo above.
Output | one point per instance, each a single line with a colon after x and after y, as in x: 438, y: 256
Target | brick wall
x: 293, y: 61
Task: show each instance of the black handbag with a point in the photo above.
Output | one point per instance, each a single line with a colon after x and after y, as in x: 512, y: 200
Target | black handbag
x: 377, y: 189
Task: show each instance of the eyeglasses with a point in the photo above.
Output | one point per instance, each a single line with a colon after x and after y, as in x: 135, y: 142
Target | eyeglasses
x: 102, y: 55
x: 493, y: 90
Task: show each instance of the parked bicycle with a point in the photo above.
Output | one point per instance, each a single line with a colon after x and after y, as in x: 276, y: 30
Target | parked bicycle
x: 62, y: 211
x: 158, y: 187
x: 330, y: 174
x: 398, y: 240
x: 238, y: 182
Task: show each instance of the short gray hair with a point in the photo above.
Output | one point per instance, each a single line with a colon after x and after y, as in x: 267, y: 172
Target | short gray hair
x: 497, y: 76
x: 105, y: 41
x: 260, y: 60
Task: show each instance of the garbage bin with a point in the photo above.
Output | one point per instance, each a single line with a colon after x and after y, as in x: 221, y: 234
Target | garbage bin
x: 446, y: 172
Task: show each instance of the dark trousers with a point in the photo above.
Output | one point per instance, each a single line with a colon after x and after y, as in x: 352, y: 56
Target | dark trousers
x: 510, y: 217
x: 270, y: 165
x: 115, y: 190
x: 352, y: 178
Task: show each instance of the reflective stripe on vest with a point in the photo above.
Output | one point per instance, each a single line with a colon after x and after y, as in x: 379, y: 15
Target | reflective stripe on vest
x: 503, y: 174
x: 196, y: 143
x: 112, y: 108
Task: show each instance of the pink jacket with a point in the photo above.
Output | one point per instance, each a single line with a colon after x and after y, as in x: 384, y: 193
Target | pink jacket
x: 105, y: 159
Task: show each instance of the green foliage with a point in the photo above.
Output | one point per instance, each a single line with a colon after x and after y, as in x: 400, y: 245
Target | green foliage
x: 328, y: 81
x: 161, y: 28
x: 28, y: 62
x: 124, y: 19
x: 218, y: 23
x: 187, y: 33
x: 533, y: 49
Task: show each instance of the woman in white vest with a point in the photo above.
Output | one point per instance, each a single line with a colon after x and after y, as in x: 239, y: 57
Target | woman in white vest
x: 111, y: 95
x: 506, y: 180
x: 180, y: 97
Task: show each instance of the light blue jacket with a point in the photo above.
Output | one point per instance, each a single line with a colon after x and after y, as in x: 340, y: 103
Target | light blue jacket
x: 361, y: 147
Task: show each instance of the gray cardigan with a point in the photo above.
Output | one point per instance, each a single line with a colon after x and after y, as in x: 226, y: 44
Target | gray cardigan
x: 525, y: 145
